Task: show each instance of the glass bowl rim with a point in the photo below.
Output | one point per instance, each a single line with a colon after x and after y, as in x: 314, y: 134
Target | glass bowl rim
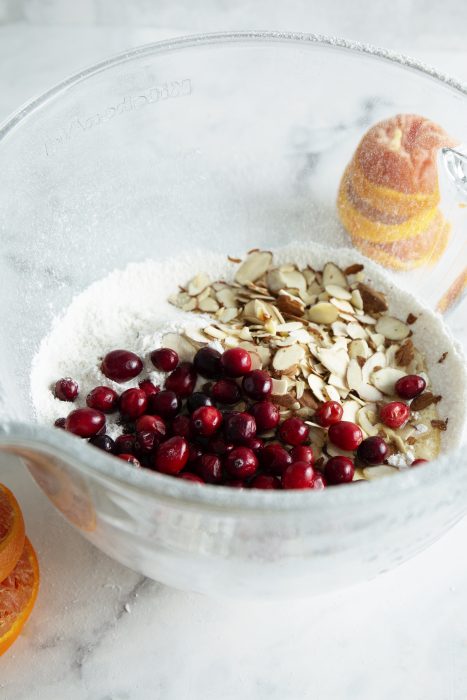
x: 19, y: 437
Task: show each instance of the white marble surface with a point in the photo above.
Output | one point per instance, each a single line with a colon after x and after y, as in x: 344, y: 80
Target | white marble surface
x: 101, y: 632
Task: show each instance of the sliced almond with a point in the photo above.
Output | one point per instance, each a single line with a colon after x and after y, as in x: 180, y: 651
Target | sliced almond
x: 190, y: 305
x: 287, y: 357
x: 364, y: 421
x: 339, y: 328
x: 181, y: 345
x: 214, y: 332
x: 332, y: 393
x: 289, y: 304
x: 323, y: 312
x: 335, y: 361
x: 392, y: 328
x: 254, y: 267
x: 280, y: 387
x: 227, y: 315
x: 227, y: 297
x: 385, y: 379
x: 256, y: 310
x: 194, y: 334
x: 373, y: 301
x: 255, y: 361
x: 350, y: 410
x: 338, y: 292
x: 317, y: 386
x: 354, y: 375
x: 355, y: 330
x: 367, y: 392
x: 334, y: 451
x: 198, y: 284
x: 333, y: 275
x: 356, y: 299
x: 209, y: 305
x: 359, y: 348
x: 376, y: 360
x: 295, y: 280
x: 381, y: 470
x: 275, y: 280
x: 342, y: 305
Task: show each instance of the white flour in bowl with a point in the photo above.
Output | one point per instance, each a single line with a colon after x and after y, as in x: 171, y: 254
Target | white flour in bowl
x: 128, y: 309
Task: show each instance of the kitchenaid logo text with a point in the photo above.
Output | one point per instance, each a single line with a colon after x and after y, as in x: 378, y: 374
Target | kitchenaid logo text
x: 129, y: 103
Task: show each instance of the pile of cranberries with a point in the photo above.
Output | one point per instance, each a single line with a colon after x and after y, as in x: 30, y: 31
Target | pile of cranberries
x: 198, y: 436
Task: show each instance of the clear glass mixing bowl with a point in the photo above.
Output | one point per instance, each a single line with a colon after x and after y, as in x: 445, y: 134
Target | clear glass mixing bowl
x: 224, y: 142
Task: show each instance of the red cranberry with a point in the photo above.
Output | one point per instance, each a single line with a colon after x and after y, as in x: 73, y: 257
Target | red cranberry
x: 206, y: 420
x: 294, y: 431
x: 164, y: 359
x: 235, y: 483
x: 165, y: 404
x: 66, y: 389
x: 263, y: 481
x: 146, y: 442
x: 172, y: 455
x: 257, y: 384
x: 209, y: 467
x: 236, y: 362
x: 103, y: 442
x: 416, y: 462
x: 133, y: 403
x: 319, y: 482
x: 125, y: 444
x: 302, y: 453
x: 339, y: 470
x: 102, y: 398
x: 394, y: 414
x: 373, y: 450
x: 188, y: 476
x: 328, y: 413
x: 241, y: 463
x: 149, y: 388
x: 194, y: 452
x: 181, y: 425
x: 85, y: 422
x: 239, y: 427
x: 182, y: 380
x: 219, y: 446
x: 152, y: 424
x: 207, y: 362
x: 254, y: 443
x: 121, y: 365
x: 226, y: 391
x: 266, y: 415
x: 60, y: 423
x: 197, y: 400
x: 131, y: 459
x: 345, y: 435
x: 274, y: 458
x: 298, y: 475
x: 410, y: 386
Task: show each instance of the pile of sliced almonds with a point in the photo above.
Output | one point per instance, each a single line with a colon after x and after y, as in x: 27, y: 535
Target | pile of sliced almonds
x: 323, y: 335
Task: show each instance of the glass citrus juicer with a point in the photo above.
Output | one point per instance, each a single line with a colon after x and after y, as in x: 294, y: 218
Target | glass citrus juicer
x: 224, y: 142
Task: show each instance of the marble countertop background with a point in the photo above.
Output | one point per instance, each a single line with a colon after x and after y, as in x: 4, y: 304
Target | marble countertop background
x: 102, y: 632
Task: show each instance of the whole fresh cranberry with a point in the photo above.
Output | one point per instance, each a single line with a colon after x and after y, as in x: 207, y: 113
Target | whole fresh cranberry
x: 207, y: 362
x: 172, y: 455
x: 66, y: 389
x: 298, y: 475
x: 153, y: 424
x: 345, y: 435
x: 302, y: 453
x: 235, y: 483
x: 131, y: 459
x: 328, y: 413
x: 219, y: 446
x: 197, y: 400
x: 194, y: 452
x: 254, y: 443
x: 181, y: 425
x: 239, y: 427
x: 188, y: 476
x: 236, y: 362
x: 266, y: 415
x: 103, y: 442
x: 264, y: 481
x: 121, y: 365
x: 241, y: 463
x: 394, y: 414
x: 419, y: 461
x: 149, y: 388
x: 373, y: 450
x: 182, y: 380
x: 166, y: 404
x: 410, y: 386
x: 132, y: 404
x: 85, y: 422
x: 125, y: 444
x: 60, y: 423
x: 294, y: 431
x: 102, y: 398
x: 257, y: 385
x: 226, y: 391
x: 209, y: 468
x: 164, y: 359
x: 146, y: 442
x: 274, y: 458
x: 339, y: 470
x: 206, y: 421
